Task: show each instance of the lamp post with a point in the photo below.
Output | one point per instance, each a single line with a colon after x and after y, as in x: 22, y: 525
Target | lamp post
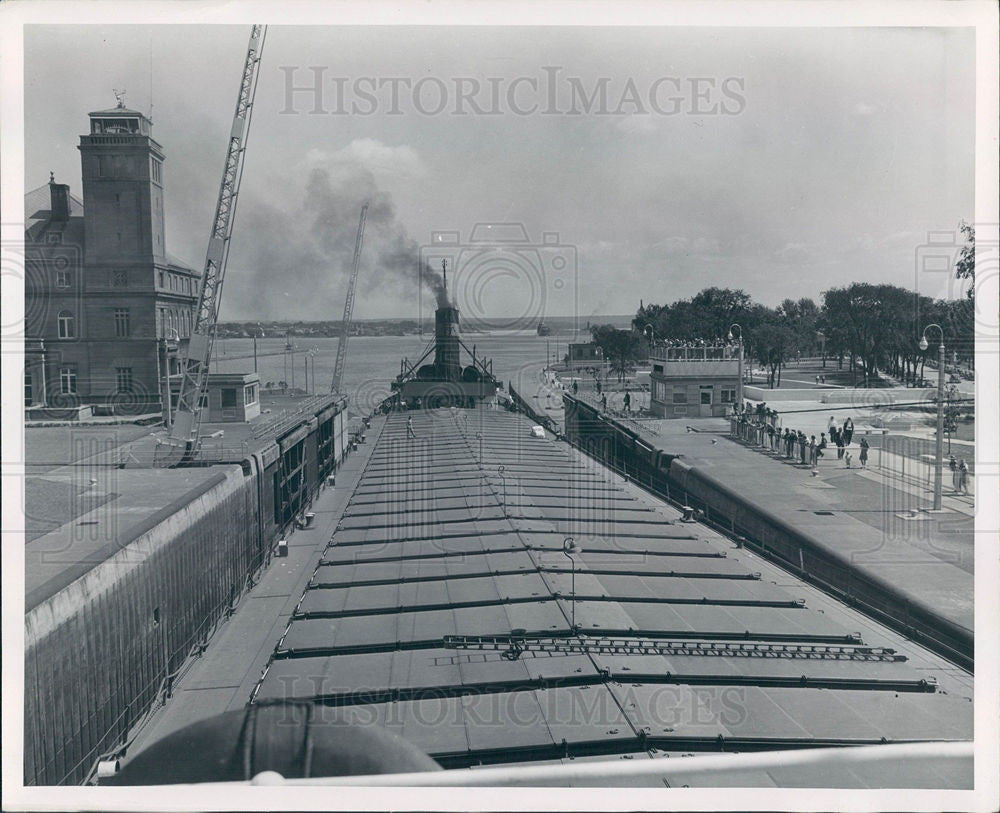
x: 938, y: 444
x: 569, y: 548
x: 739, y: 391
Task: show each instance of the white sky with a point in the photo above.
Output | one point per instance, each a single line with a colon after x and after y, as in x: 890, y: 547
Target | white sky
x: 852, y: 145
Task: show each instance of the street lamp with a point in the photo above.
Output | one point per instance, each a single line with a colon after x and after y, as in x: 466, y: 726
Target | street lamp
x: 938, y: 444
x: 569, y: 548
x: 730, y: 337
x: 652, y: 334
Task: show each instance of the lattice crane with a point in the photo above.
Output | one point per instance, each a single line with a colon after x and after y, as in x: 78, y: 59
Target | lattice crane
x: 183, y: 440
x: 345, y: 327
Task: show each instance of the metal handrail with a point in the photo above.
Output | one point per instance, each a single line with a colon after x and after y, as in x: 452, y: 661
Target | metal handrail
x: 915, y: 755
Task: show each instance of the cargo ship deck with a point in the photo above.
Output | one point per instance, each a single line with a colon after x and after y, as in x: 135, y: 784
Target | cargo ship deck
x: 441, y: 604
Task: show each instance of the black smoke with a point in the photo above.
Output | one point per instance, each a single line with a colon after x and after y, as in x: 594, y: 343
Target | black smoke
x: 294, y: 262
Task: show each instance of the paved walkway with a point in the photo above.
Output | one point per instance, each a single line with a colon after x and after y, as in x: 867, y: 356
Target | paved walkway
x: 884, y: 530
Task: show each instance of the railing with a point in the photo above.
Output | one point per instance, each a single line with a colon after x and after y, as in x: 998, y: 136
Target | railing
x: 725, y: 352
x: 287, y: 419
x: 915, y: 759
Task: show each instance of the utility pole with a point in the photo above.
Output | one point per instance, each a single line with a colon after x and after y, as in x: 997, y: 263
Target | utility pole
x: 739, y: 391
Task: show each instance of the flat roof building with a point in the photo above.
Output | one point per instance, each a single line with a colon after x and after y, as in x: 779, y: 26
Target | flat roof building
x: 694, y: 380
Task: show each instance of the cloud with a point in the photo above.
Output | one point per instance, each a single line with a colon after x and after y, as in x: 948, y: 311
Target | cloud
x: 792, y: 253
x: 384, y: 162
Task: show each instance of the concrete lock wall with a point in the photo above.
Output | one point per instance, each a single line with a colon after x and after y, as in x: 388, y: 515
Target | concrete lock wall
x: 679, y: 480
x: 98, y: 652
x: 861, y: 397
x: 103, y: 649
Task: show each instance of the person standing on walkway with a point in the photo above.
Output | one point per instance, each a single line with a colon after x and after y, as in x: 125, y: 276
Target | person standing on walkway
x: 409, y: 427
x: 812, y: 451
x: 840, y: 446
x: 830, y: 426
x: 953, y: 465
x: 863, y: 458
x: 802, y: 448
x: 963, y: 477
x: 628, y: 402
x: 820, y: 446
x: 604, y: 402
x: 848, y: 431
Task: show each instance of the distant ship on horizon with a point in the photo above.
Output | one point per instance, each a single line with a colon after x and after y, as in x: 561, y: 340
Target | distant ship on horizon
x: 543, y: 329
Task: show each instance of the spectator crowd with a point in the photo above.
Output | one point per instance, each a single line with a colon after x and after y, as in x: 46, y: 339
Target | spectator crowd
x: 761, y: 426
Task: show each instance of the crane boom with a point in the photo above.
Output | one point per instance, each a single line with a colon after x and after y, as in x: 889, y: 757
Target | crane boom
x: 195, y: 363
x: 345, y: 326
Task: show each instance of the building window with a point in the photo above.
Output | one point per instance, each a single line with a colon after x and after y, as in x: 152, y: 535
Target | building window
x: 63, y: 279
x: 680, y: 397
x: 67, y: 380
x: 119, y: 279
x: 156, y: 170
x: 28, y: 393
x: 121, y: 322
x: 161, y: 279
x: 728, y: 396
x: 706, y: 396
x: 123, y: 379
x: 228, y: 399
x: 67, y: 325
x: 250, y: 395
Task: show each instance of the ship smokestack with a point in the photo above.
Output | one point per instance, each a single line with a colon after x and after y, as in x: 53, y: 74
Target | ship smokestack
x: 447, y: 360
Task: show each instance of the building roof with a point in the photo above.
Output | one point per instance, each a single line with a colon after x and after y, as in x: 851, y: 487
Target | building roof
x: 38, y: 201
x: 124, y: 112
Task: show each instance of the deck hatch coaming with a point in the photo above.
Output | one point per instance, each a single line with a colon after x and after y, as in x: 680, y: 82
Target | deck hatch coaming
x: 428, y: 549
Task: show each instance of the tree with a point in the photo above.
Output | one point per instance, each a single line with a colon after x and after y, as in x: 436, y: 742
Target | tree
x: 773, y: 342
x: 952, y: 412
x: 621, y: 348
x: 965, y: 268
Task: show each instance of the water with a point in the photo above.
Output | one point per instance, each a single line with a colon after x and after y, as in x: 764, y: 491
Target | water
x: 373, y: 362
